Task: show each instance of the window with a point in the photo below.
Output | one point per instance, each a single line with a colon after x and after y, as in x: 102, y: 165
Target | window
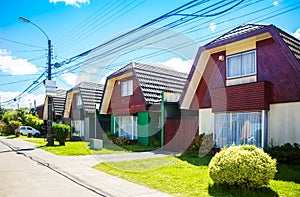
x: 241, y: 65
x: 127, y: 88
x: 238, y: 128
x: 126, y: 126
x: 78, y: 101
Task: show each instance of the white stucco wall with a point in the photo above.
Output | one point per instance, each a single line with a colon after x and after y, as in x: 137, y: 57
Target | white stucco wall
x: 206, y: 121
x: 284, y: 123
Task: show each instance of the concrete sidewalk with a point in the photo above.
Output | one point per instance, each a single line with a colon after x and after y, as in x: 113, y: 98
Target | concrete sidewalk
x: 79, y: 169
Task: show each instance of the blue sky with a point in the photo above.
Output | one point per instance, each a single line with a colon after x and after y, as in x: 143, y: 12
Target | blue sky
x: 75, y: 26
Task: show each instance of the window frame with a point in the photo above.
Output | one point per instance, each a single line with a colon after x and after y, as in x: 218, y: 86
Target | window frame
x: 241, y: 56
x: 127, y: 88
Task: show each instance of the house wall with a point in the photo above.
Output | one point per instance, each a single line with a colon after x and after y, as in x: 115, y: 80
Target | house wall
x: 213, y: 77
x: 276, y: 66
x: 128, y: 104
x: 284, y: 124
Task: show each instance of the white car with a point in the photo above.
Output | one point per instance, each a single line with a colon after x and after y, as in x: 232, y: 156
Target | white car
x: 24, y: 130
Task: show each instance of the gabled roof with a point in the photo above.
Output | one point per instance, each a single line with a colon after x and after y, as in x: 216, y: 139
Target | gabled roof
x: 289, y: 44
x: 238, y: 32
x: 59, y: 101
x: 91, y: 94
x: 154, y: 80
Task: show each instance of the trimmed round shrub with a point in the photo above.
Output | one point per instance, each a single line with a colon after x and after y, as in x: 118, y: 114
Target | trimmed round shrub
x: 245, y: 166
x: 61, y: 132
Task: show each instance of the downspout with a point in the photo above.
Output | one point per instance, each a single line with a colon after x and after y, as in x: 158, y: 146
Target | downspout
x: 162, y: 108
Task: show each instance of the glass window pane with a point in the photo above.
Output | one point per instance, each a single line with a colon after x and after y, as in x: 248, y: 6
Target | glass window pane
x: 248, y: 63
x: 124, y: 89
x: 130, y: 87
x: 234, y: 66
x: 238, y: 128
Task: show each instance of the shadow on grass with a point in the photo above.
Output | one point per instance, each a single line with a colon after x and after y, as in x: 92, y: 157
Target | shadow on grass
x: 194, y: 159
x: 224, y: 190
x: 288, y: 173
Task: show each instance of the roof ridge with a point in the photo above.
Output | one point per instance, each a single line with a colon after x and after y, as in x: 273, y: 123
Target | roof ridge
x: 246, y: 27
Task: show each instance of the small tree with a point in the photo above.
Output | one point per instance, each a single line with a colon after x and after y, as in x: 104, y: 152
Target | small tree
x: 13, y: 125
x: 34, y: 121
x: 61, y: 132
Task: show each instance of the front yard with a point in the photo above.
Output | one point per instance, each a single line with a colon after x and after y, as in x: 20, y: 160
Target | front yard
x: 187, y: 175
x: 75, y: 148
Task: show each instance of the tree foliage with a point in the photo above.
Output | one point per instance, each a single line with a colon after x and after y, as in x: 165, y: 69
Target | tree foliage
x: 61, y: 132
x: 245, y: 166
x: 24, y: 116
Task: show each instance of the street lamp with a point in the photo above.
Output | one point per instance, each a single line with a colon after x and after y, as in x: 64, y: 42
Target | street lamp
x: 50, y: 139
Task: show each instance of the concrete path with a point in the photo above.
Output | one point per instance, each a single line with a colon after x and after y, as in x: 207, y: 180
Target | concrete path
x: 79, y: 169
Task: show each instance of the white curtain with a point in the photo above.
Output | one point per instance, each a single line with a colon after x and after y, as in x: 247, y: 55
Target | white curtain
x: 248, y: 63
x: 126, y: 126
x: 238, y: 128
x: 234, y: 66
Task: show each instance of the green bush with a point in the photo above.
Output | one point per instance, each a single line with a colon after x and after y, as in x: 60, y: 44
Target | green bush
x: 154, y: 142
x: 196, y: 143
x: 122, y: 141
x: 61, y: 132
x: 287, y: 153
x: 245, y: 166
x: 2, y: 128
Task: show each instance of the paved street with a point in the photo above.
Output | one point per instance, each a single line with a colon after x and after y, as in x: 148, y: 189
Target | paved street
x: 33, y: 172
x: 21, y: 176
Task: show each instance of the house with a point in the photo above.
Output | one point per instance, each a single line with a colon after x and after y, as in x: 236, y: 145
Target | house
x: 80, y: 109
x: 133, y: 98
x: 246, y: 87
x: 58, y: 105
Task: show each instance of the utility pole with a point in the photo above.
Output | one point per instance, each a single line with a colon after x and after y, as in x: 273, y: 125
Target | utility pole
x: 50, y: 138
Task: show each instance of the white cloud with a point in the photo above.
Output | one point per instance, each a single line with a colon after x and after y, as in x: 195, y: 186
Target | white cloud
x: 70, y: 78
x: 25, y: 101
x: 177, y: 64
x: 297, y: 34
x: 76, y: 3
x: 275, y: 3
x: 15, y: 66
x: 212, y: 26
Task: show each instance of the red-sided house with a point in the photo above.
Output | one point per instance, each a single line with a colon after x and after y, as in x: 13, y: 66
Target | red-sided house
x: 246, y: 87
x: 133, y: 96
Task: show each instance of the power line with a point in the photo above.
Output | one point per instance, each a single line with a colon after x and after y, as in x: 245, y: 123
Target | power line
x: 15, y: 82
x: 21, y: 43
x: 78, y: 65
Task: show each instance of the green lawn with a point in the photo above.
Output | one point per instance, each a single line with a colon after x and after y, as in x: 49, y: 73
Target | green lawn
x: 187, y: 175
x: 73, y: 148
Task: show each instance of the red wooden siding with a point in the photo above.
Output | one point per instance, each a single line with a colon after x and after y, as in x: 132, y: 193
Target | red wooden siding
x: 128, y: 104
x: 213, y: 77
x: 179, y: 133
x: 251, y: 96
x: 275, y: 66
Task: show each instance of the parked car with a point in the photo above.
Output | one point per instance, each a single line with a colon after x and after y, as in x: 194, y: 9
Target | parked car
x: 24, y: 130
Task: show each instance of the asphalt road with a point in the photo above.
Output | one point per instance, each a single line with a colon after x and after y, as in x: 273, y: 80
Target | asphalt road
x: 22, y: 176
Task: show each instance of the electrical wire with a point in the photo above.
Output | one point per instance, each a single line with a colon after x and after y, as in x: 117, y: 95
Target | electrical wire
x: 21, y: 43
x: 176, y: 23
